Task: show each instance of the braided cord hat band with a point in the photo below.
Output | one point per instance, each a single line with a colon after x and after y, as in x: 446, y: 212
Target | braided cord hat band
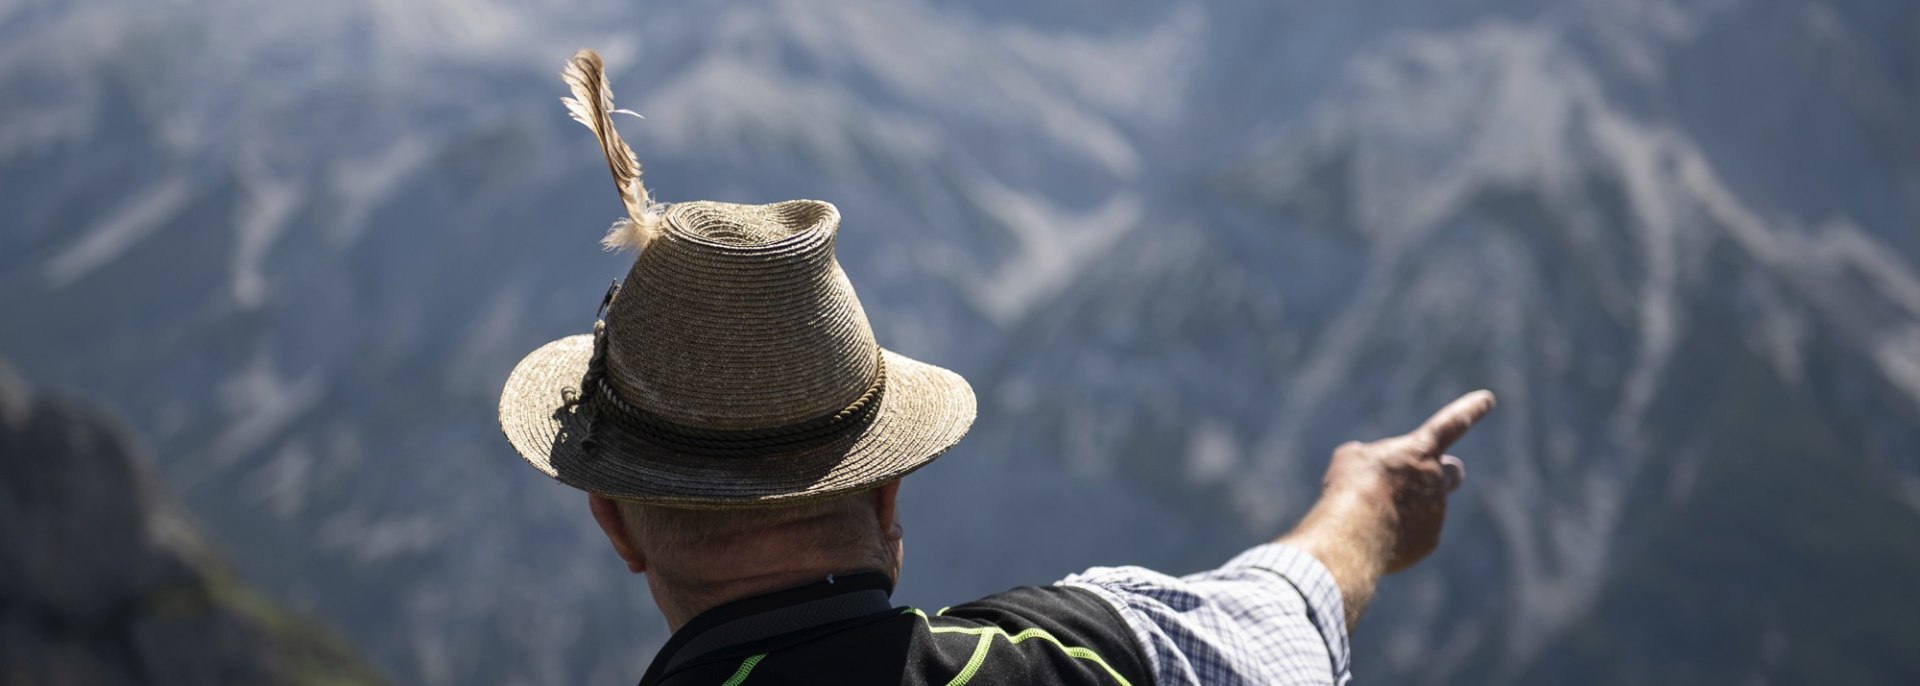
x: 610, y: 419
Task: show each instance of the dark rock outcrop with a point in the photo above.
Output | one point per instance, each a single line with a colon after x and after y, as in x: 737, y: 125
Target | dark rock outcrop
x: 104, y: 581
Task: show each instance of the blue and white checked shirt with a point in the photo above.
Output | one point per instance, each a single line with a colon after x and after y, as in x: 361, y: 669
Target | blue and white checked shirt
x: 1272, y: 615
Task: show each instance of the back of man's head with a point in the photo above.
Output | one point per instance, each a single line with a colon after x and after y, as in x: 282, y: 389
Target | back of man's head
x: 697, y: 554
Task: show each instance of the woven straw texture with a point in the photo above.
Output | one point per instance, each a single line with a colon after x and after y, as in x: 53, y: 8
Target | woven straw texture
x: 735, y: 327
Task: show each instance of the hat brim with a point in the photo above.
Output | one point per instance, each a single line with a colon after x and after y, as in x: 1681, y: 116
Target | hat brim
x: 924, y: 411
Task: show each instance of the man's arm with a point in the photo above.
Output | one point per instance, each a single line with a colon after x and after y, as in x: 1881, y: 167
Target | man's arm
x: 1268, y: 616
x: 1382, y: 503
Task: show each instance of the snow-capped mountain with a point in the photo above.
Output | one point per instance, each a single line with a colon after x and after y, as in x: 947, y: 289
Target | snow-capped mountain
x: 1181, y: 250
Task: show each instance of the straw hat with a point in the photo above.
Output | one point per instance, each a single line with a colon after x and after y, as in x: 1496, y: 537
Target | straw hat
x: 733, y: 368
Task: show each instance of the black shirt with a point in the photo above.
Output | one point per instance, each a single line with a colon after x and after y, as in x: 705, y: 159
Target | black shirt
x: 846, y: 631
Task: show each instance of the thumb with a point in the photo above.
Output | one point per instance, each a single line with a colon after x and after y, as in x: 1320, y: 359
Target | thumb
x: 1455, y: 471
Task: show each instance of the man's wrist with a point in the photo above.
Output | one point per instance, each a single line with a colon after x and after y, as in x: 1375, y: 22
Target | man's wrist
x: 1356, y: 520
x: 1351, y: 534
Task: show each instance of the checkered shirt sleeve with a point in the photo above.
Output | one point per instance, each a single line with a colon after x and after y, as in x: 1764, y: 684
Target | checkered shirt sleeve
x: 1272, y: 615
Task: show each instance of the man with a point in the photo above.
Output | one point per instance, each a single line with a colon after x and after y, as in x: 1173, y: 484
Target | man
x: 742, y: 437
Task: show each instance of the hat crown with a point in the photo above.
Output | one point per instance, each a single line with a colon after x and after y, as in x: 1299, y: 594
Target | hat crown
x: 738, y: 317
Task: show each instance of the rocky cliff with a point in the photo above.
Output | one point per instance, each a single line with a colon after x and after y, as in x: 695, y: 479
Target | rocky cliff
x: 103, y: 581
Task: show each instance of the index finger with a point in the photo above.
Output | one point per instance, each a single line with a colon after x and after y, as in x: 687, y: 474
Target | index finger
x: 1452, y: 421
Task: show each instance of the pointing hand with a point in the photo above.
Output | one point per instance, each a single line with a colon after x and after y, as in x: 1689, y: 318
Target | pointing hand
x: 1407, y: 478
x: 1382, y: 504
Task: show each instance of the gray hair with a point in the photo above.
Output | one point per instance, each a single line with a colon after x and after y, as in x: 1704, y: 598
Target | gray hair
x: 842, y: 525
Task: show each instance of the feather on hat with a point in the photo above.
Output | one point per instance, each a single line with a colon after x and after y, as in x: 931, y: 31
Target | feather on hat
x: 592, y: 105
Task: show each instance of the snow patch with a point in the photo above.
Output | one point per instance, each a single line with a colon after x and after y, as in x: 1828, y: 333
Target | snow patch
x: 1056, y: 243
x: 362, y: 184
x: 1212, y: 452
x: 258, y: 221
x: 1898, y: 355
x: 261, y: 405
x: 1908, y: 486
x: 136, y: 219
x: 369, y: 540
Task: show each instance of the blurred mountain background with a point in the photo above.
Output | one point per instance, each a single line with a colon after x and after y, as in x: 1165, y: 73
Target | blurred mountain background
x: 1181, y: 250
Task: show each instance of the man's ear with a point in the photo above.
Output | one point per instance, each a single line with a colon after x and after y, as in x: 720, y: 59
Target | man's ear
x: 607, y: 513
x: 885, y: 496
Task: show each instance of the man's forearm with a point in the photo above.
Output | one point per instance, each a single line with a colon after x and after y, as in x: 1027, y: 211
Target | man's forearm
x: 1354, y: 539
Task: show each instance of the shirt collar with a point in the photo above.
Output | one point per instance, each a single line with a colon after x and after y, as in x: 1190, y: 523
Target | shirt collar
x: 727, y: 620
